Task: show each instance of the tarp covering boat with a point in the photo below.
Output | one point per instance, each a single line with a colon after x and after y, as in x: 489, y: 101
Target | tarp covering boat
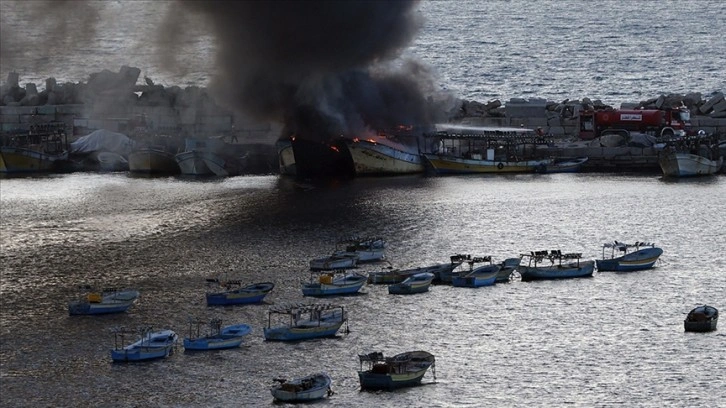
x: 103, y: 140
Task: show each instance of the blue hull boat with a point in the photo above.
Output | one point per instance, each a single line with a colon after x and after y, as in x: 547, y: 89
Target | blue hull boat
x: 303, y: 322
x: 555, y: 265
x: 639, y: 259
x: 152, y: 345
x: 254, y: 293
x: 402, y: 370
x: 481, y: 276
x: 219, y: 337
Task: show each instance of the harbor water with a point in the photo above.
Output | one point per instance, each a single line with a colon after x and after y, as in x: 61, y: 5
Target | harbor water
x: 615, y: 339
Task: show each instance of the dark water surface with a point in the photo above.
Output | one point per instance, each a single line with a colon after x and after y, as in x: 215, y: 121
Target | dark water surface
x: 613, y: 339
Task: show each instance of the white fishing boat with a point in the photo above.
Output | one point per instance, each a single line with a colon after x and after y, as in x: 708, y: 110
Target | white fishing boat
x: 309, y: 388
x: 691, y: 156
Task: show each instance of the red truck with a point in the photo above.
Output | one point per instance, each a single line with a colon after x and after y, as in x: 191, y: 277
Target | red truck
x: 659, y: 123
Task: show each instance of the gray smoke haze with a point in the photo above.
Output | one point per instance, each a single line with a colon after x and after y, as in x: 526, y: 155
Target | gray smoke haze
x: 63, y: 26
x: 323, y: 68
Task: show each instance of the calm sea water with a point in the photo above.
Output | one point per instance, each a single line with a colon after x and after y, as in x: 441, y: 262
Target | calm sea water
x: 613, y: 339
x: 612, y: 50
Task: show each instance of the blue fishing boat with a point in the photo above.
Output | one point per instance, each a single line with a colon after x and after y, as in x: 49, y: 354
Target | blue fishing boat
x: 388, y: 373
x: 625, y: 257
x: 418, y: 283
x: 217, y: 338
x: 334, y: 283
x: 485, y: 275
x: 554, y: 265
x: 304, y: 321
x: 253, y: 293
x: 110, y: 300
x: 151, y: 345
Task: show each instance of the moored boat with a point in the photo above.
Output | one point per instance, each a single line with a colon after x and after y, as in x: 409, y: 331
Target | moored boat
x: 253, y: 293
x: 304, y: 321
x: 378, y: 372
x: 391, y: 276
x: 484, y: 275
x: 417, y: 283
x: 561, y: 266
x: 383, y: 155
x: 446, y: 275
x: 701, y: 319
x: 334, y: 261
x: 691, y: 156
x: 309, y: 388
x: 109, y: 300
x: 463, y: 150
x: 366, y: 249
x: 44, y: 148
x: 333, y: 283
x: 152, y: 160
x: 506, y: 268
x: 151, y: 345
x: 625, y: 257
x: 217, y: 337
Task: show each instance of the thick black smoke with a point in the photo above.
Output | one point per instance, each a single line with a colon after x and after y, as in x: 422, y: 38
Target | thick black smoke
x: 324, y: 68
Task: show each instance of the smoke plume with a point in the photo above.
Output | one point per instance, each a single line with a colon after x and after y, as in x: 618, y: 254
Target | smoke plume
x: 323, y: 68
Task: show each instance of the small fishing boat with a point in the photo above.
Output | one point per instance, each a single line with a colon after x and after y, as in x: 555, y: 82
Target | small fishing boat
x: 691, y: 156
x: 485, y: 275
x: 253, y: 293
x: 561, y: 266
x: 332, y: 283
x: 625, y: 257
x: 334, y: 261
x: 304, y: 321
x: 387, y: 373
x: 446, y: 275
x: 506, y: 269
x: 367, y: 249
x: 308, y: 388
x: 418, y: 283
x: 151, y: 345
x: 701, y: 319
x: 391, y: 276
x: 109, y: 300
x: 217, y: 337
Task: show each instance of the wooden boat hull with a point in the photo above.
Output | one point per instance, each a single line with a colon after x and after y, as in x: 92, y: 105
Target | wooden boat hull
x: 374, y: 381
x: 249, y: 294
x: 443, y: 164
x: 193, y: 163
x: 700, y: 327
x: 506, y: 269
x: 635, y: 261
x: 293, y: 392
x: 371, y: 158
x: 24, y: 160
x: 152, y: 161
x: 687, y: 165
x: 564, y: 271
x: 701, y: 319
